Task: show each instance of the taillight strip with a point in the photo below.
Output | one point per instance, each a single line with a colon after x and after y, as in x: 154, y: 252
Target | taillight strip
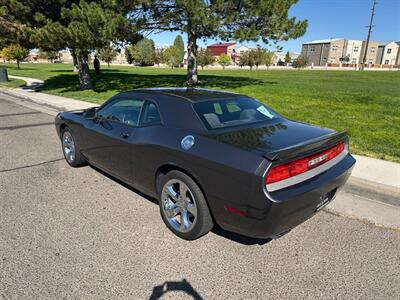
x: 275, y: 186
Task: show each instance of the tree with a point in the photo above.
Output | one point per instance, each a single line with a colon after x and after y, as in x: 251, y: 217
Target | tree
x: 224, y: 60
x: 288, y: 59
x: 107, y: 54
x: 128, y: 56
x: 205, y: 58
x: 268, y: 59
x: 243, y: 59
x: 301, y: 62
x: 15, y: 52
x: 258, y: 56
x: 143, y: 52
x: 79, y: 25
x: 171, y: 56
x: 178, y: 43
x: 158, y: 57
x: 241, y: 20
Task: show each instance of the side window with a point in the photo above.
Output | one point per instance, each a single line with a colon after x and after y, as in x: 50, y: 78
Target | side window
x: 126, y: 111
x: 150, y: 114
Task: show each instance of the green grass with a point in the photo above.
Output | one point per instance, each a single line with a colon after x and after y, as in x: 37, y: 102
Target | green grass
x: 12, y: 83
x: 366, y: 104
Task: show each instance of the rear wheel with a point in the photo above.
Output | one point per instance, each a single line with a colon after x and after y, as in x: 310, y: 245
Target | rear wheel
x: 183, y: 207
x: 71, y: 152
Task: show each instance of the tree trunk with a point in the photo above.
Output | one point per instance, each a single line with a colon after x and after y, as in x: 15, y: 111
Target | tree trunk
x: 17, y: 64
x: 192, y: 77
x: 84, y: 76
x: 75, y: 61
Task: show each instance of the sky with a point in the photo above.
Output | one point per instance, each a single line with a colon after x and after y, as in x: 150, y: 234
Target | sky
x: 328, y: 19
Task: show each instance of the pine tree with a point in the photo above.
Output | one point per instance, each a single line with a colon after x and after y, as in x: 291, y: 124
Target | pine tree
x: 79, y: 25
x: 143, y: 52
x: 267, y: 20
x: 288, y: 59
x: 178, y: 43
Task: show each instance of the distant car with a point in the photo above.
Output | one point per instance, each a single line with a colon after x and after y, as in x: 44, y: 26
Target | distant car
x: 211, y: 157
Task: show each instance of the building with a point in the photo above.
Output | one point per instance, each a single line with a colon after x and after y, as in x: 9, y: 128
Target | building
x: 344, y: 51
x: 321, y: 52
x: 352, y: 52
x: 242, y: 49
x: 372, y: 53
x: 388, y: 54
x: 219, y: 48
x: 279, y: 57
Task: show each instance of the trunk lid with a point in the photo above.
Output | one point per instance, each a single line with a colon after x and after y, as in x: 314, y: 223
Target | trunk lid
x: 282, y: 140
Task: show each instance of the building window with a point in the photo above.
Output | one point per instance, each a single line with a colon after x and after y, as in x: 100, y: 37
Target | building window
x: 326, y: 45
x: 389, y: 51
x: 324, y: 58
x: 354, y: 60
x: 372, y: 50
x: 334, y: 47
x: 312, y: 49
x: 370, y: 61
x: 386, y: 62
x: 355, y: 49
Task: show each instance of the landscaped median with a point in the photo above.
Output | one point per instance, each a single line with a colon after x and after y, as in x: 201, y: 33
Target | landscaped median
x: 366, y: 104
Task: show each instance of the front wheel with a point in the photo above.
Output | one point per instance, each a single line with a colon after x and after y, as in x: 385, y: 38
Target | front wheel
x: 183, y: 206
x: 71, y: 152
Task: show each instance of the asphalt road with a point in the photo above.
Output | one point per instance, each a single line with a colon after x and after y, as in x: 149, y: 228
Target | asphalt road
x: 75, y: 233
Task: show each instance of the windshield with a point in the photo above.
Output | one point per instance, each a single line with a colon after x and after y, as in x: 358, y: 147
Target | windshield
x: 235, y: 112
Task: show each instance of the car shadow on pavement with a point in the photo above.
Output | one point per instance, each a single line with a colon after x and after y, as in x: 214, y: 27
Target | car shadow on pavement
x: 244, y: 240
x: 171, y: 286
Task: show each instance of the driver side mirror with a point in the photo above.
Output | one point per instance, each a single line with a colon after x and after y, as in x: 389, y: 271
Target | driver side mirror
x: 90, y: 113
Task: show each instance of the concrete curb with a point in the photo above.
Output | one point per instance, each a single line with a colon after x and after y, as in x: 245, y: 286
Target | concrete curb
x: 371, y: 178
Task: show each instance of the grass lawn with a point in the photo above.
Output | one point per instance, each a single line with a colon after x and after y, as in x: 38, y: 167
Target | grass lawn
x: 366, y: 104
x: 12, y: 83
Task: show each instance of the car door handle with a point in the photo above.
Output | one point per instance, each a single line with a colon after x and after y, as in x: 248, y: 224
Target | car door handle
x: 125, y: 134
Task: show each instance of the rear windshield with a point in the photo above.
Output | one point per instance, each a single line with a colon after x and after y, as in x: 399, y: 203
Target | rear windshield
x: 228, y: 113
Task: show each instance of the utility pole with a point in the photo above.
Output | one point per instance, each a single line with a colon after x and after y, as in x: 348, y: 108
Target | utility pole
x: 369, y: 35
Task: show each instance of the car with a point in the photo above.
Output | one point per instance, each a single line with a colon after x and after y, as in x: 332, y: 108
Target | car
x: 211, y: 158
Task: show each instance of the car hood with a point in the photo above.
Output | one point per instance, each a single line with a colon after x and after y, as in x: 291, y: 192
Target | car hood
x: 278, y: 138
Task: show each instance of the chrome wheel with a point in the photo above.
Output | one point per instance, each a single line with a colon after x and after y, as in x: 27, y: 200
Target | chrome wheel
x: 69, y: 147
x: 178, y: 205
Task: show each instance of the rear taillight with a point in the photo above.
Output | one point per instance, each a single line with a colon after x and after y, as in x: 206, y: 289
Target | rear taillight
x: 302, y: 165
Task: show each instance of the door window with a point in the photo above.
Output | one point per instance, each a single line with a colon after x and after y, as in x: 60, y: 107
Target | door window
x: 126, y: 111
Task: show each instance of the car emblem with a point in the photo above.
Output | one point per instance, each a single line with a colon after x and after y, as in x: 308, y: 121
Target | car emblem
x: 187, y: 142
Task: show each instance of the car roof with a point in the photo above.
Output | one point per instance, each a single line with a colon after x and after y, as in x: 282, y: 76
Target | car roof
x: 189, y: 94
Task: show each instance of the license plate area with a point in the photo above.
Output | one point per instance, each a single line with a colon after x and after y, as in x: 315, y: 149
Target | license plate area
x: 325, y: 199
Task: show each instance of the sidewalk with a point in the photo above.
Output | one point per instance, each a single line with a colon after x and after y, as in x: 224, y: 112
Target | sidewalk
x: 374, y: 183
x: 58, y: 103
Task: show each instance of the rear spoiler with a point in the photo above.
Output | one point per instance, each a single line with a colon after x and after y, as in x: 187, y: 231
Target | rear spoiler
x: 307, y: 147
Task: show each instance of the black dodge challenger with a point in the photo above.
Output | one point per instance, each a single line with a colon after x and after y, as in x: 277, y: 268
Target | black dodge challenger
x: 211, y: 157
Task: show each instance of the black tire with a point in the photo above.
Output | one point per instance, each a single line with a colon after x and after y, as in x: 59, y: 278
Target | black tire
x: 78, y: 160
x: 203, y: 223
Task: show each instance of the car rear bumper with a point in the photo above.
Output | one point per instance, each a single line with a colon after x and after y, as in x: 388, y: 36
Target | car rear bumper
x: 267, y: 218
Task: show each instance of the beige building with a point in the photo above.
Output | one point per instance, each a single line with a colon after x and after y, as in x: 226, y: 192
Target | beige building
x: 372, y: 53
x: 353, y: 51
x: 336, y: 51
x: 388, y: 54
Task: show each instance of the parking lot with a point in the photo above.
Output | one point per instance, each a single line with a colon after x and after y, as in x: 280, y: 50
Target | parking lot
x: 77, y: 233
